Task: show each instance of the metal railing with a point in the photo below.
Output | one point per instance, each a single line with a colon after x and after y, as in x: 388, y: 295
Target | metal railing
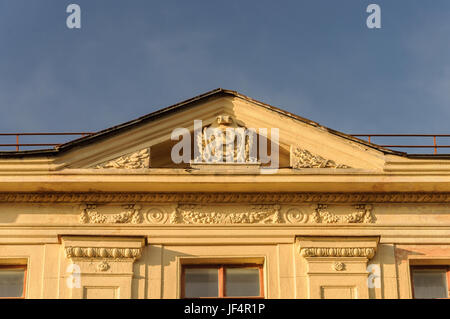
x: 434, y: 145
x: 369, y: 137
x: 17, y: 145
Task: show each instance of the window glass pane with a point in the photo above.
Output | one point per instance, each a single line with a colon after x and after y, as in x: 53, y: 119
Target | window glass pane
x: 11, y: 282
x: 242, y: 282
x: 430, y: 284
x: 201, y: 282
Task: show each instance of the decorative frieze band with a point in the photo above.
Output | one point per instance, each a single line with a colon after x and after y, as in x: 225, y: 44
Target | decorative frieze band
x: 337, y: 252
x: 252, y: 198
x: 102, y: 253
x: 227, y: 214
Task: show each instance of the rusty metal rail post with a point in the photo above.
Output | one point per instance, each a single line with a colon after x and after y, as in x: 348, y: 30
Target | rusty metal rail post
x: 17, y: 145
x: 369, y: 137
x: 435, y: 145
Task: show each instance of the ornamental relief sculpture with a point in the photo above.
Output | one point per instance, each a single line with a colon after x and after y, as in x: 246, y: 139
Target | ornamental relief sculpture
x: 130, y: 214
x: 338, y: 266
x: 363, y: 214
x: 139, y: 159
x: 196, y: 214
x: 103, y: 266
x: 236, y: 144
x: 301, y: 158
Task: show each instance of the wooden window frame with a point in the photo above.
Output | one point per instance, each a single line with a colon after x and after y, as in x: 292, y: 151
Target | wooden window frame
x: 24, y: 267
x: 221, y: 268
x: 431, y: 268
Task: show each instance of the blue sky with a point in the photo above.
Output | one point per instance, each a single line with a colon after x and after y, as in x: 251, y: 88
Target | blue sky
x: 314, y: 58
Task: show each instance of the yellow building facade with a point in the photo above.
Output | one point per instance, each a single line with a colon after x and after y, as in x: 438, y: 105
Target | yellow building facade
x: 111, y: 215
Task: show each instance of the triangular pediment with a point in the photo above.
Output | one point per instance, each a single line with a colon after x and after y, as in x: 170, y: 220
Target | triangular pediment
x: 146, y: 142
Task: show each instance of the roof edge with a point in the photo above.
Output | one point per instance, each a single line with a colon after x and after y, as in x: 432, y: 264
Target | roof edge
x: 176, y: 108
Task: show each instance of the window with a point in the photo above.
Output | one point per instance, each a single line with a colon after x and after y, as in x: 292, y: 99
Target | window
x: 12, y: 281
x: 430, y: 282
x: 222, y: 281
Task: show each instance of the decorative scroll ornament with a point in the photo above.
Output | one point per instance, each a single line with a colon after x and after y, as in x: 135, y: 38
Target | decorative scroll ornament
x: 337, y: 252
x: 131, y: 214
x: 102, y: 253
x: 139, y: 159
x: 362, y: 216
x: 196, y: 214
x: 301, y: 158
x: 296, y: 216
x: 156, y: 216
x: 227, y: 141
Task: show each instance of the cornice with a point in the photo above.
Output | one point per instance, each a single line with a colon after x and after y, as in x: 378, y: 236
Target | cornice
x: 111, y: 248
x: 103, y: 253
x: 338, y: 247
x: 337, y: 252
x: 256, y: 198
